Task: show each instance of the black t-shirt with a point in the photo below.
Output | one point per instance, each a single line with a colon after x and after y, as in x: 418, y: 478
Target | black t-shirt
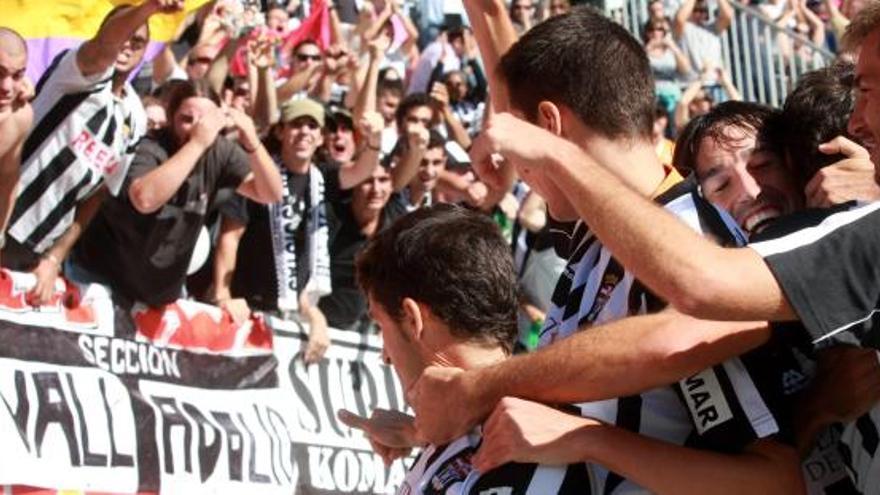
x: 831, y: 276
x: 346, y: 305
x: 254, y: 278
x: 146, y: 256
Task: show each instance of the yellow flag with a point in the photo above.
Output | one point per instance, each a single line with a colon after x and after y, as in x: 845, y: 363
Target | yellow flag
x: 80, y: 19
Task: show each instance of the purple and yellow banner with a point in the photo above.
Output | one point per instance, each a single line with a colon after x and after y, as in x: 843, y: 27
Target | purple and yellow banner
x: 51, y: 26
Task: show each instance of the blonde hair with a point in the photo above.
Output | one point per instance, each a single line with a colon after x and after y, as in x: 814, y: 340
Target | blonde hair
x: 862, y: 25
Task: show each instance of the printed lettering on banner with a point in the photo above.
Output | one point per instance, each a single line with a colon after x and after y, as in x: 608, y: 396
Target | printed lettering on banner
x: 66, y: 426
x: 337, y: 459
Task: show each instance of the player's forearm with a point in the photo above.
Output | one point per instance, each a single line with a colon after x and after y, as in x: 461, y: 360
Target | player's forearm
x: 101, y: 51
x: 151, y: 191
x: 621, y: 358
x: 267, y: 188
x: 407, y: 169
x: 664, y: 468
x: 682, y: 267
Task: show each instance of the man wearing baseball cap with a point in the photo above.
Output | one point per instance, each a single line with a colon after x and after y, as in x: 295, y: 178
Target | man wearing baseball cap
x: 258, y: 259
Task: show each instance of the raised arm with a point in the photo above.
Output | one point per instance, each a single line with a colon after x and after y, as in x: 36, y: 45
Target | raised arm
x: 414, y: 147
x: 263, y: 184
x: 725, y: 16
x: 370, y: 129
x: 682, y: 17
x: 261, y: 56
x: 100, y: 52
x: 149, y: 192
x: 366, y: 100
x: 495, y: 35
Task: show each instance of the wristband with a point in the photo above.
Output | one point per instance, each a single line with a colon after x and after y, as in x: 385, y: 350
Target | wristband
x: 246, y: 150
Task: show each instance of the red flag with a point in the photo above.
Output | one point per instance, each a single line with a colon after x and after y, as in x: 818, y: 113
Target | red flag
x: 315, y: 27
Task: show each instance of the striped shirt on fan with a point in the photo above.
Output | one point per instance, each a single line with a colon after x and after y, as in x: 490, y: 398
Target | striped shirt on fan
x: 83, y: 136
x: 722, y: 408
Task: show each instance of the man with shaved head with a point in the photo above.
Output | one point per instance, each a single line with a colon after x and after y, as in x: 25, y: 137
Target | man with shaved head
x: 87, y: 121
x: 16, y: 116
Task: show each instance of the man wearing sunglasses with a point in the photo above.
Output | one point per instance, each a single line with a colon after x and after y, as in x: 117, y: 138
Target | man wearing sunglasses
x: 87, y: 121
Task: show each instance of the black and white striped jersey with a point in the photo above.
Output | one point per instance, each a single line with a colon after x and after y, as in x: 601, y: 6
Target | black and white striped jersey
x: 828, y: 269
x: 447, y: 470
x: 859, y: 444
x: 82, y: 136
x: 721, y: 408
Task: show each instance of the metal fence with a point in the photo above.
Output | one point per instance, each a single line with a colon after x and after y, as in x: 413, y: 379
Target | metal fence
x: 759, y: 68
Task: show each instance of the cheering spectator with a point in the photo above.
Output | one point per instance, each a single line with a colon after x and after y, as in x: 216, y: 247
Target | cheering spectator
x: 522, y: 13
x: 558, y: 7
x: 16, y: 116
x: 87, y: 122
x: 668, y: 63
x: 352, y: 223
x: 277, y: 258
x: 700, y: 39
x: 141, y: 243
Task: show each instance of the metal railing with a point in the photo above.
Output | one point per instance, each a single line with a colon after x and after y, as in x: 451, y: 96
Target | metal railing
x: 751, y: 46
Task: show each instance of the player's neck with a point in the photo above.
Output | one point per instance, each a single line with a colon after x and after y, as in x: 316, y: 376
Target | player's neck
x: 468, y: 355
x: 635, y: 163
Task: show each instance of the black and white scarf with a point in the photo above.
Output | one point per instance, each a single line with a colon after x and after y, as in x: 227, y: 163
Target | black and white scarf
x: 284, y: 220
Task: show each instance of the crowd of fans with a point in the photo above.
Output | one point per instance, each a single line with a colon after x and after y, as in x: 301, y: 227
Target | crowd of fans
x: 262, y: 160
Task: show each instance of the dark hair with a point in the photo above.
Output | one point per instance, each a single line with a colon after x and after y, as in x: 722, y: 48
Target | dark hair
x: 436, y: 140
x: 712, y: 125
x: 411, y: 101
x: 451, y: 259
x: 390, y: 86
x: 660, y: 111
x: 585, y: 61
x: 651, y: 23
x: 455, y: 33
x: 816, y: 111
x: 190, y: 89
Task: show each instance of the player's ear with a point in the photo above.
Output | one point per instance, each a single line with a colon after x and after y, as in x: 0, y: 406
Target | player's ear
x: 550, y: 117
x: 413, y: 319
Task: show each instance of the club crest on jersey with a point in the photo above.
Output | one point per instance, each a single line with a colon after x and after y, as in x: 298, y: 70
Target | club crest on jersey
x: 609, y: 282
x: 453, y: 471
x: 705, y: 400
